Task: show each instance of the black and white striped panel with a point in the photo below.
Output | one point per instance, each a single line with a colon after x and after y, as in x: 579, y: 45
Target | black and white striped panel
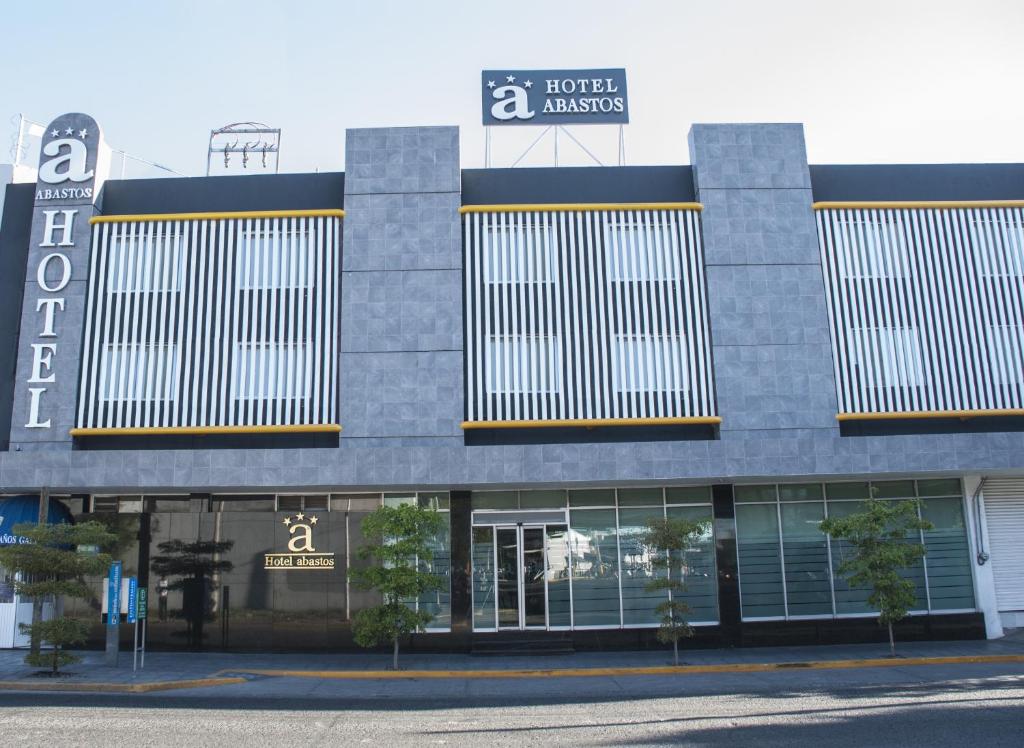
x: 926, y: 307
x: 219, y: 322
x: 586, y: 314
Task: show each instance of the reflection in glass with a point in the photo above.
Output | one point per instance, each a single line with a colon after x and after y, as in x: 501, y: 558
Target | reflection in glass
x: 534, y: 608
x: 760, y: 562
x: 558, y: 575
x: 595, y: 567
x: 948, y: 559
x: 701, y: 578
x: 508, y: 577
x: 637, y: 570
x: 808, y: 585
x: 483, y: 578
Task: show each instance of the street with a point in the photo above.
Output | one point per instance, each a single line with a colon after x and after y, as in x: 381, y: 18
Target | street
x: 934, y: 705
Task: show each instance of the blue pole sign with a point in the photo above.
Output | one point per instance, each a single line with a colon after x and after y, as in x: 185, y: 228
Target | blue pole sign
x: 114, y: 594
x: 133, y: 598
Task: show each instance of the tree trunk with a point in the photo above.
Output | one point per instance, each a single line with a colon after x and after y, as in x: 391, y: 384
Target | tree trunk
x: 35, y: 643
x: 892, y: 643
x: 55, y: 659
x: 394, y: 659
x: 675, y: 652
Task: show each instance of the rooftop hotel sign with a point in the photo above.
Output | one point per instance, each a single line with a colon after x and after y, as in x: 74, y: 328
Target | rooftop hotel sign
x: 555, y: 97
x: 73, y: 161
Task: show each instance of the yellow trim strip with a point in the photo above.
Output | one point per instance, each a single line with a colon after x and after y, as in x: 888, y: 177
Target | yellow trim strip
x: 584, y: 672
x: 935, y: 204
x: 311, y: 428
x: 326, y: 213
x: 592, y: 422
x: 575, y: 207
x: 906, y: 415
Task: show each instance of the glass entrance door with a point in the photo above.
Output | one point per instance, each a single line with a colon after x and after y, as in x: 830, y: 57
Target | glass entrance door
x: 522, y: 592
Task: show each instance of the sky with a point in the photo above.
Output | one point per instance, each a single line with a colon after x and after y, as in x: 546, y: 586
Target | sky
x: 894, y: 81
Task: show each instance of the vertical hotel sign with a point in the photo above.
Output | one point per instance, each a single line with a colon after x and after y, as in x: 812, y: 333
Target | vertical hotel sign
x: 73, y: 162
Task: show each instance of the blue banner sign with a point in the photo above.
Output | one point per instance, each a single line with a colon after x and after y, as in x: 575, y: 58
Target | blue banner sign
x: 114, y: 594
x: 133, y: 598
x: 555, y: 97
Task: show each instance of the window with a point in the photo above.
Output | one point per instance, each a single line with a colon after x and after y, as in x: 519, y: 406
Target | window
x: 649, y: 363
x: 640, y: 252
x: 141, y: 263
x: 139, y: 372
x: 520, y: 254
x: 1004, y: 351
x: 875, y: 247
x: 595, y: 567
x: 785, y: 569
x: 888, y: 356
x: 269, y: 259
x: 262, y: 371
x: 999, y: 245
x: 523, y: 364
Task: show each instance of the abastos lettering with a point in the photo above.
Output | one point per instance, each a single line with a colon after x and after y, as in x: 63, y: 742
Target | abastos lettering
x: 300, y: 542
x: 555, y: 97
x: 65, y: 193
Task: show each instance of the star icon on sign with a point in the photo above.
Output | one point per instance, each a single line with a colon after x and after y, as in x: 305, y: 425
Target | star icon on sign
x: 300, y: 516
x: 69, y: 131
x: 83, y: 133
x: 528, y: 84
x: 490, y: 84
x: 510, y: 78
x: 312, y: 520
x: 54, y: 133
x: 287, y: 521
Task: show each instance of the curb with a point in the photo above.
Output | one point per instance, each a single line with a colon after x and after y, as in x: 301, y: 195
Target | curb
x: 754, y: 667
x: 165, y: 685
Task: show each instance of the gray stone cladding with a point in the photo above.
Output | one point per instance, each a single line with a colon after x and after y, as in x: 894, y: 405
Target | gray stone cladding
x: 402, y: 361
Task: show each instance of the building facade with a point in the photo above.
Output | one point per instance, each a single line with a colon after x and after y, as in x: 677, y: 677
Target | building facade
x: 549, y: 357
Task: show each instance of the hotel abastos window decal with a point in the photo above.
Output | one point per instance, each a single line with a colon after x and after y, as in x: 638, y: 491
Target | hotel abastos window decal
x: 302, y: 554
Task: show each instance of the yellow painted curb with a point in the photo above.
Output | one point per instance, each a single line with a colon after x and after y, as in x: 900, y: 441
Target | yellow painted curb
x: 166, y: 685
x: 754, y: 667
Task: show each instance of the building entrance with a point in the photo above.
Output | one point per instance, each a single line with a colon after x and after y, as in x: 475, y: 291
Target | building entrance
x: 521, y: 576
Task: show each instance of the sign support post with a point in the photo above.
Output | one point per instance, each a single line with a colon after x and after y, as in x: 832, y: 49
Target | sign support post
x: 113, y: 612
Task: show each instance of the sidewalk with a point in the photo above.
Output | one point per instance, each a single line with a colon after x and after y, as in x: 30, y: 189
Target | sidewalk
x: 189, y: 670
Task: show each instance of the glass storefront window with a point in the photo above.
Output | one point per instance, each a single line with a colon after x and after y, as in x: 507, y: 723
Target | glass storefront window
x: 942, y: 580
x: 559, y: 595
x: 805, y: 550
x: 641, y: 497
x: 595, y: 572
x: 637, y: 568
x: 760, y: 560
x: 592, y: 497
x: 483, y: 578
x: 701, y: 577
x: 949, y: 566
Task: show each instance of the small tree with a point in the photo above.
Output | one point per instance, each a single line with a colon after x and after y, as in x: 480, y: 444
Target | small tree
x: 50, y: 565
x: 667, y: 540
x: 878, y: 537
x: 400, y: 545
x: 194, y: 564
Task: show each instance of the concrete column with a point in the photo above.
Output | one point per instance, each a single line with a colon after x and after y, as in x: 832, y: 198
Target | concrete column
x: 984, y: 579
x: 401, y: 291
x: 769, y: 329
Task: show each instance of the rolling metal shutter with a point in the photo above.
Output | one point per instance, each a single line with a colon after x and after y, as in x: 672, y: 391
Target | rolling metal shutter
x: 1004, y: 516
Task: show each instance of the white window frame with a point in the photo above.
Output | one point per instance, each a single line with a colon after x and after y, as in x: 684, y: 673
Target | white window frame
x: 528, y: 249
x: 659, y: 371
x: 887, y: 250
x: 254, y: 360
x: 901, y: 365
x: 151, y: 279
x: 117, y: 386
x: 250, y: 277
x: 503, y: 348
x: 653, y: 262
